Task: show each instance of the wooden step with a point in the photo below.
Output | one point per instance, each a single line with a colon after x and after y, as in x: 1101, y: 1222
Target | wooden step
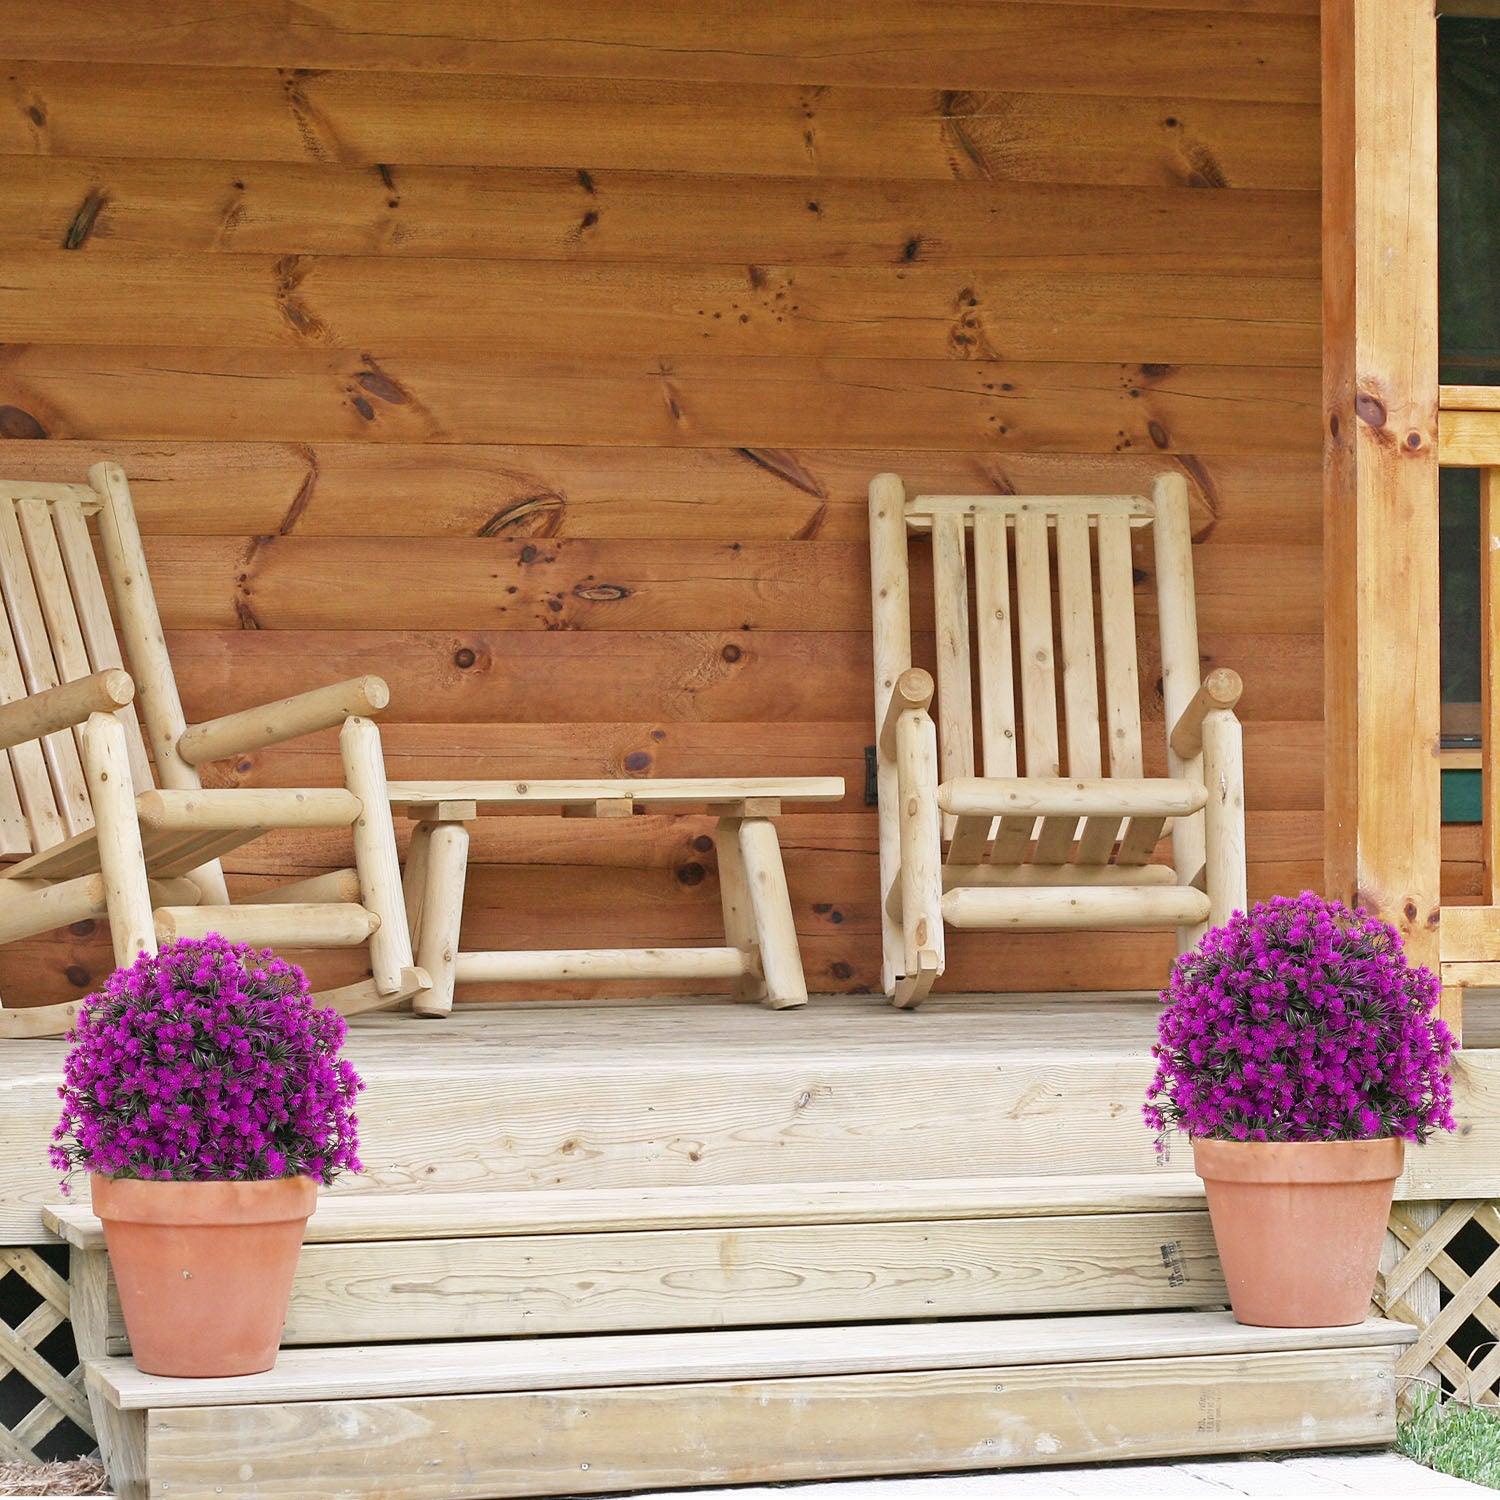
x: 446, y: 1215
x: 518, y: 1099
x: 373, y: 1269
x: 493, y: 1419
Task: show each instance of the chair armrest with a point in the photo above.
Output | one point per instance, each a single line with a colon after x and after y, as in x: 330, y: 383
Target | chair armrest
x: 912, y: 693
x: 286, y: 719
x: 1219, y: 692
x: 62, y: 707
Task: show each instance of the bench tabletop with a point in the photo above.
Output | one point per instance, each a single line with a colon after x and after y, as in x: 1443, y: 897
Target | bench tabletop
x: 682, y: 791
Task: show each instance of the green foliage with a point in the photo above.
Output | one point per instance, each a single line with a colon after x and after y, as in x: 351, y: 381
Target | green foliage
x: 1452, y: 1438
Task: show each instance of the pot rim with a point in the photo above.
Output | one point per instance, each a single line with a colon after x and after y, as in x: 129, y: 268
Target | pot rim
x: 151, y: 1201
x: 1377, y: 1160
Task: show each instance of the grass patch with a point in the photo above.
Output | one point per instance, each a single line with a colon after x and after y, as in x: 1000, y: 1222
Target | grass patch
x: 1455, y: 1439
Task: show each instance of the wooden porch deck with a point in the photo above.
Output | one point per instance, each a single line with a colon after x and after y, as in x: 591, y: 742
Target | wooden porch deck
x: 841, y: 1241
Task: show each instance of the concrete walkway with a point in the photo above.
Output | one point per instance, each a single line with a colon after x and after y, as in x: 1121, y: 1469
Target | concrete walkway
x: 1374, y: 1476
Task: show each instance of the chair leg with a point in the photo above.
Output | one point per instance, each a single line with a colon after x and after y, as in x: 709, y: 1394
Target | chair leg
x: 921, y: 859
x: 127, y: 895
x: 771, y: 906
x: 375, y: 854
x: 739, y: 914
x: 442, y: 907
x: 1224, y: 816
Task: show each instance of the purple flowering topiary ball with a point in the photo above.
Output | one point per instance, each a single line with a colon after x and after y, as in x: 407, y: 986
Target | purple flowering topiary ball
x: 1301, y: 1021
x: 207, y: 1062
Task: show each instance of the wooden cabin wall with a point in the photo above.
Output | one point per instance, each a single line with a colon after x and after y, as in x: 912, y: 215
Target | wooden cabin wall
x: 537, y: 356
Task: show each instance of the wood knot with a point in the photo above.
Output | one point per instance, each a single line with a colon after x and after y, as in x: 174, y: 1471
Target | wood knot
x: 1370, y: 409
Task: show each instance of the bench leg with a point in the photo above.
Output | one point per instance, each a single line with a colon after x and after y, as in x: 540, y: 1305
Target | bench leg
x: 739, y: 915
x: 771, y: 906
x: 447, y: 861
x: 414, y: 880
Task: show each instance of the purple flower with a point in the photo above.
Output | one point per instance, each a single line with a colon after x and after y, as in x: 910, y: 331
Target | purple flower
x: 1301, y: 1021
x: 207, y: 1061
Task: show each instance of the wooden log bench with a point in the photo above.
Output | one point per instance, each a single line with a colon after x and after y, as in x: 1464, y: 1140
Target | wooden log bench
x: 759, y: 957
x: 883, y: 1328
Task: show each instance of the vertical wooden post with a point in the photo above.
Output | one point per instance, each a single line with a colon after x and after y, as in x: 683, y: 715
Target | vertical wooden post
x: 1380, y: 530
x: 375, y: 853
x: 1224, y: 816
x: 921, y: 873
x: 127, y: 896
x: 771, y: 906
x: 447, y: 865
x: 1181, y: 666
x: 146, y: 648
x: 739, y: 913
x: 890, y: 597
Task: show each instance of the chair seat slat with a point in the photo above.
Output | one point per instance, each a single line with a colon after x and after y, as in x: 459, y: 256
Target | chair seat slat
x: 15, y: 836
x: 1054, y: 845
x: 1097, y: 841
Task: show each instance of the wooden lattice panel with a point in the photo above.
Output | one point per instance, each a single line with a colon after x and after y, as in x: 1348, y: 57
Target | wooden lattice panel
x: 59, y: 1393
x: 1465, y: 1295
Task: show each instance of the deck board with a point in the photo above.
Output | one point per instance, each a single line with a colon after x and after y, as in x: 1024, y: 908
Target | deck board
x: 558, y: 1099
x: 401, y: 1370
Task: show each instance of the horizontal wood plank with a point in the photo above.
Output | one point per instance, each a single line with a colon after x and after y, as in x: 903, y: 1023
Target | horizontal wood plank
x: 724, y: 494
x: 800, y: 1428
x: 450, y: 308
x: 428, y: 117
x: 116, y: 205
x: 83, y: 391
x: 1231, y: 52
x: 274, y: 583
x: 700, y: 1094
x: 345, y: 1219
x: 732, y: 676
x: 496, y: 1366
x: 536, y: 1285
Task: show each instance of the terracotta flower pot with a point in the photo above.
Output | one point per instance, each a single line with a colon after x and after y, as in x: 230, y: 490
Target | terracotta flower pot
x: 204, y: 1269
x: 1299, y: 1225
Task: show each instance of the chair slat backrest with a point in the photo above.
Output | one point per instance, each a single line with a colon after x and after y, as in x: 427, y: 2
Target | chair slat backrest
x: 55, y: 627
x: 1069, y: 643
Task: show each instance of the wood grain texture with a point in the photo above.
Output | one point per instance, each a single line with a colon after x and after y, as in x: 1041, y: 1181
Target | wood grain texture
x: 313, y: 395
x: 633, y: 1360
x: 409, y: 296
x: 783, y: 1429
x: 459, y: 306
x: 347, y: 1220
x: 1381, y: 396
x: 272, y: 583
x: 705, y: 1094
x: 532, y: 1285
x: 427, y: 117
x: 564, y: 490
x: 1259, y: 52
x: 108, y: 205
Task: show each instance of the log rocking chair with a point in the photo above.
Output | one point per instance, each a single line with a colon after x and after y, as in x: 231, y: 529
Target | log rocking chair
x: 83, y: 844
x: 1045, y: 838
